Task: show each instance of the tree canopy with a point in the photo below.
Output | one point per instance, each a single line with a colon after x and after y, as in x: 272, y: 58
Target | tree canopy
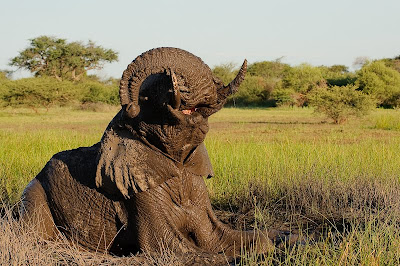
x: 50, y: 56
x: 380, y: 81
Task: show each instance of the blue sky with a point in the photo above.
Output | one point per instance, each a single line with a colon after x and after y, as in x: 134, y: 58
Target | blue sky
x: 308, y: 31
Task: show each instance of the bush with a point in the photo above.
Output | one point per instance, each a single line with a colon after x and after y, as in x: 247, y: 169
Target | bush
x: 283, y: 97
x: 339, y: 103
x: 337, y: 75
x: 100, y: 93
x: 254, y: 91
x: 272, y: 70
x: 382, y: 82
x: 303, y: 78
x: 261, y: 80
x: 36, y: 92
x: 47, y: 92
x: 226, y: 72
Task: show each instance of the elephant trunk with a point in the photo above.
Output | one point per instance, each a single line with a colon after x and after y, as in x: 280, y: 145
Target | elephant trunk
x: 170, y: 61
x: 223, y: 92
x: 233, y: 86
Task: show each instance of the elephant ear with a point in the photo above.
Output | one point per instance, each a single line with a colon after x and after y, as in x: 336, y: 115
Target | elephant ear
x: 126, y: 166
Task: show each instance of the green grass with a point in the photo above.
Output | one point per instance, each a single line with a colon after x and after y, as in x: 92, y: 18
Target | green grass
x: 276, y: 145
x: 280, y: 168
x: 388, y: 119
x: 28, y: 141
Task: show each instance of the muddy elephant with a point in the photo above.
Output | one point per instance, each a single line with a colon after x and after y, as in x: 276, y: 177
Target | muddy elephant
x: 141, y: 188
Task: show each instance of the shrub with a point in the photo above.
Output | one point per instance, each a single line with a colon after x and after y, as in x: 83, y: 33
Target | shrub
x: 380, y: 81
x: 272, y: 70
x: 99, y: 93
x: 36, y: 92
x: 254, y: 91
x: 47, y: 92
x: 337, y: 75
x: 283, y: 97
x: 303, y: 78
x: 339, y: 103
x: 226, y: 72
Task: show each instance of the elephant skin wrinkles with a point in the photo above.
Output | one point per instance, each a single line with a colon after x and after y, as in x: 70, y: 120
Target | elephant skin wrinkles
x: 141, y: 188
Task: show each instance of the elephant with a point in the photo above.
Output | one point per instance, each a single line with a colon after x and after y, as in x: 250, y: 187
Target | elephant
x: 141, y: 187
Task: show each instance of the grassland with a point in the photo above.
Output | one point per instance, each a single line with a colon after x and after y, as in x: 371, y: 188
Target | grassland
x: 281, y: 168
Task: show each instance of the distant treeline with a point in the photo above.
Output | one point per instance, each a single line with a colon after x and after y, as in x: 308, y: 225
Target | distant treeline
x: 273, y: 83
x: 47, y: 91
x: 268, y: 83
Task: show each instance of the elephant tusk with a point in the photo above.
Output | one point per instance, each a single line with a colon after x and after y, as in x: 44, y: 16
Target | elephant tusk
x: 176, y: 99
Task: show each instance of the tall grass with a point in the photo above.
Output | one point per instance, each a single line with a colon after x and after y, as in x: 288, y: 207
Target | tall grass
x: 29, y: 140
x: 274, y: 168
x: 388, y: 120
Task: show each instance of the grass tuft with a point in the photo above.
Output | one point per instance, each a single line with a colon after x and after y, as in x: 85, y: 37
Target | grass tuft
x: 388, y: 121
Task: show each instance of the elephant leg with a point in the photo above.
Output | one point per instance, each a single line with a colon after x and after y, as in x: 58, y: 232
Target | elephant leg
x: 35, y: 211
x: 232, y: 242
x: 211, y: 234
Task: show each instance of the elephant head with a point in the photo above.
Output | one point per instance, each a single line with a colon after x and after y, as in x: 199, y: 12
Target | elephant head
x: 167, y: 95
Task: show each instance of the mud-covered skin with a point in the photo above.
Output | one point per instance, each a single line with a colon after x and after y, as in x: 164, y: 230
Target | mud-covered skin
x: 176, y: 214
x: 141, y: 188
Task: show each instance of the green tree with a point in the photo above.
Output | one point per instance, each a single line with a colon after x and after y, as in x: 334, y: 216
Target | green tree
x: 252, y: 91
x: 303, y: 78
x: 339, y: 69
x: 226, y: 72
x: 337, y: 75
x: 46, y: 92
x: 341, y: 102
x: 49, y: 56
x: 393, y: 63
x: 271, y: 70
x: 380, y: 81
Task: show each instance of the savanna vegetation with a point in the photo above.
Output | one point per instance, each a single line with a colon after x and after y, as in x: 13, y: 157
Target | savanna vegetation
x: 287, y: 167
x: 273, y: 83
x: 284, y: 168
x: 61, y: 79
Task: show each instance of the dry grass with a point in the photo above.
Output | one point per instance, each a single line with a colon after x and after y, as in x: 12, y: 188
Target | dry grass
x: 20, y: 245
x: 280, y: 168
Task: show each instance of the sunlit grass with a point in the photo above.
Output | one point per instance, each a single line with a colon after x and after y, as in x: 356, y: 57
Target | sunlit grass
x: 388, y: 120
x: 277, y: 145
x: 277, y: 168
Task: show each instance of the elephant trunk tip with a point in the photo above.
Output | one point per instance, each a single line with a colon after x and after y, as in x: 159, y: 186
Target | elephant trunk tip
x: 234, y: 85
